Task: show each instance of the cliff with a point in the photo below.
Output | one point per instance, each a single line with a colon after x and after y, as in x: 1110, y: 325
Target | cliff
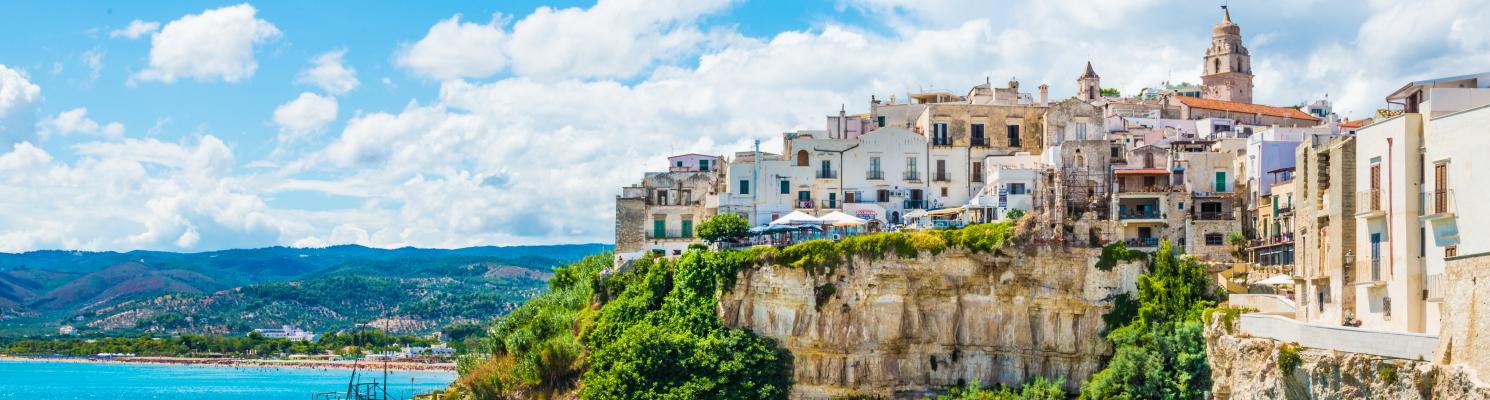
x: 1245, y: 368
x: 906, y: 327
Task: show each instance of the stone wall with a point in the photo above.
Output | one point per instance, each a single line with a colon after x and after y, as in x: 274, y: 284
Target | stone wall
x: 1460, y: 339
x: 1245, y: 368
x: 903, y: 328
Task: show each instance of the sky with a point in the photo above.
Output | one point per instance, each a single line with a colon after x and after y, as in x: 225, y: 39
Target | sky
x: 191, y: 126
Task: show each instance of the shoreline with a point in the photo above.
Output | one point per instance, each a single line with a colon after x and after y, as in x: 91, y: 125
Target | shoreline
x: 246, y: 362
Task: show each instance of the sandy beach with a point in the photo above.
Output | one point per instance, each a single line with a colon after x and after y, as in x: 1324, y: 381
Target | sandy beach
x: 242, y: 362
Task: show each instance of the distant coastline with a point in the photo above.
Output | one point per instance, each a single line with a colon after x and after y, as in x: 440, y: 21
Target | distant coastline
x: 245, y: 362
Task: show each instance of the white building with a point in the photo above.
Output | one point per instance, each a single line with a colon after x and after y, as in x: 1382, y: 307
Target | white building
x: 287, y: 332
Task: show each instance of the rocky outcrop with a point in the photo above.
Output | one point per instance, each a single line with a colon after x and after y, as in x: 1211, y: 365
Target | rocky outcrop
x: 1245, y: 368
x: 902, y: 328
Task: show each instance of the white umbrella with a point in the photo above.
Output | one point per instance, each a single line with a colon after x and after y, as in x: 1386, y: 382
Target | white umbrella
x: 795, y: 218
x: 839, y: 218
x: 1276, y: 280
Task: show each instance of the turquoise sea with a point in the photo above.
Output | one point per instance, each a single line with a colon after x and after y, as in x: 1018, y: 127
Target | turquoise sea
x: 88, y: 380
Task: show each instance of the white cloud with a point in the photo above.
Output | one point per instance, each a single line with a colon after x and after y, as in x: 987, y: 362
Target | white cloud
x: 19, y: 99
x: 329, y: 73
x: 217, y: 44
x: 453, y: 49
x: 93, y: 59
x: 76, y: 121
x: 612, y: 39
x: 306, y: 114
x: 136, y: 29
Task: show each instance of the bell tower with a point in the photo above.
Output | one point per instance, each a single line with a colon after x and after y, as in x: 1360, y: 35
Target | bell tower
x: 1089, y: 85
x: 1228, y: 65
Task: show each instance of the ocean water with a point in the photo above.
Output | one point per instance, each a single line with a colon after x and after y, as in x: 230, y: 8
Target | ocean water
x: 91, y: 380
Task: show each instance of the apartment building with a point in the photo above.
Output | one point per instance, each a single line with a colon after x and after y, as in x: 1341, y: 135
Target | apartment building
x: 1325, y: 235
x: 1207, y: 173
x: 659, y: 213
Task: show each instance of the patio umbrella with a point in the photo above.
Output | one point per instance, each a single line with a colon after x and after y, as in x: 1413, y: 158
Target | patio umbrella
x: 1276, y: 280
x: 839, y: 218
x: 796, y: 218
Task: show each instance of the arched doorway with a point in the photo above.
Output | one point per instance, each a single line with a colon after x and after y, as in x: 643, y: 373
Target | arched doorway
x: 895, y: 217
x: 802, y: 158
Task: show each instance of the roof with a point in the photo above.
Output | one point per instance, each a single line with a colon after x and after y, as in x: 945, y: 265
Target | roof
x: 1141, y: 171
x: 691, y: 154
x: 1408, y: 88
x: 1089, y: 71
x: 1245, y: 108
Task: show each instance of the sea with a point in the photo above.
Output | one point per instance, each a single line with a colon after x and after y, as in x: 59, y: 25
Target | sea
x: 107, y: 380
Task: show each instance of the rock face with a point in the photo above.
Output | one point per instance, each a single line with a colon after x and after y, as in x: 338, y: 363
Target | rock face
x: 903, y: 328
x: 1244, y: 368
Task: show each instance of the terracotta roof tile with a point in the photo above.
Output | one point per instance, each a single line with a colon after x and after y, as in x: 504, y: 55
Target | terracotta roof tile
x: 1245, y: 108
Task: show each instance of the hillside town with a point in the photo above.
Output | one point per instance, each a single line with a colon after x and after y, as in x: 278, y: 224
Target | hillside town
x: 1313, y: 219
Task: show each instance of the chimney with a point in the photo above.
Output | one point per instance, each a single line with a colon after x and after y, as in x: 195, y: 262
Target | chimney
x: 1044, y: 94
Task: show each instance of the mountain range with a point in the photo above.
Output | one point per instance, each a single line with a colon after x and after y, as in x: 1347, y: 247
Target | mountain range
x: 406, y: 290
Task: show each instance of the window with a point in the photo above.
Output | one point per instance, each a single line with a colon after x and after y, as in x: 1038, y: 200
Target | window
x: 1016, y: 188
x: 977, y: 133
x: 1214, y: 239
x: 941, y: 170
x: 1440, y: 188
x: 910, y: 169
x: 977, y: 171
x: 1148, y: 160
x: 939, y: 135
x: 1013, y: 135
x: 874, y: 168
x: 804, y: 196
x: 1450, y: 251
x: 1116, y: 152
x: 882, y: 121
x: 687, y: 227
x: 1210, y: 207
x: 744, y: 186
x: 1220, y: 181
x: 703, y: 165
x: 1080, y: 131
x: 944, y: 192
x: 802, y: 158
x: 883, y: 196
x: 786, y: 187
x: 1375, y: 185
x: 659, y: 226
x: 827, y: 170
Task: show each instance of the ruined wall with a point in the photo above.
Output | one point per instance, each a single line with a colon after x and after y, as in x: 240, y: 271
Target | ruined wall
x: 901, y: 328
x: 1245, y: 368
x: 1462, y: 339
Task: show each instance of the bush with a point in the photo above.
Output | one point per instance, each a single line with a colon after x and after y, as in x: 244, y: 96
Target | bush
x: 823, y: 293
x: 724, y: 227
x: 1386, y: 372
x: 1036, y: 389
x: 1288, y: 358
x: 1115, y: 253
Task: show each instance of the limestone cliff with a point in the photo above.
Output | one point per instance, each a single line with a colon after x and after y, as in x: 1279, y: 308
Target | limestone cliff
x: 1245, y: 368
x: 904, y: 327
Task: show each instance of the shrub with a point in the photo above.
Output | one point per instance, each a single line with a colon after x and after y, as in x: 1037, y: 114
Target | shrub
x: 823, y: 293
x: 1386, y: 372
x: 1288, y: 358
x: 1115, y: 253
x: 1036, y: 389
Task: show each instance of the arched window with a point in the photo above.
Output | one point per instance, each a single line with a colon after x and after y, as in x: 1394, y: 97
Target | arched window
x: 802, y: 158
x: 1218, y: 66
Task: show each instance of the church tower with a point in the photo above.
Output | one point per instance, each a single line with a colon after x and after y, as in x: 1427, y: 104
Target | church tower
x: 1228, y: 66
x: 1089, y: 85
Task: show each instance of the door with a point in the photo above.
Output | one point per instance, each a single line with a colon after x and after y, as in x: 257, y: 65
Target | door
x: 1376, y: 256
x: 1375, y: 187
x: 687, y: 228
x: 832, y: 200
x: 1220, y: 181
x: 659, y: 228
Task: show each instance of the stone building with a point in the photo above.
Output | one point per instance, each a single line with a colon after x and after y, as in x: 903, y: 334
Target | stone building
x: 1324, y: 211
x: 1089, y: 85
x: 1228, y: 65
x: 660, y: 213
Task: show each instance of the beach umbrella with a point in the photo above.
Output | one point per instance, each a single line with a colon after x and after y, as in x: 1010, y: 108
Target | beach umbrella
x: 1276, y: 280
x: 796, y: 218
x: 839, y: 218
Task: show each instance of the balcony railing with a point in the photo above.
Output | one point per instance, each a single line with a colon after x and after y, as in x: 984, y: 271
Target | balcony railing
x: 1433, y: 285
x: 977, y: 178
x: 942, y: 176
x: 1140, y: 215
x: 827, y: 174
x: 912, y: 176
x: 1375, y: 269
x: 1439, y: 202
x: 1368, y: 201
x: 1213, y: 216
x: 804, y: 204
x: 980, y: 142
x: 1142, y: 242
x: 827, y: 204
x: 875, y: 175
x: 1148, y: 189
x: 914, y: 204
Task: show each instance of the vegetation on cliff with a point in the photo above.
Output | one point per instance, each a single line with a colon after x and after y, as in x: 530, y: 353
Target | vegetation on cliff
x: 1159, y: 350
x: 1036, y: 389
x: 251, y: 345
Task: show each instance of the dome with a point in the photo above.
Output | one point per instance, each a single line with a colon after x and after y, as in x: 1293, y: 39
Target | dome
x: 1226, y: 27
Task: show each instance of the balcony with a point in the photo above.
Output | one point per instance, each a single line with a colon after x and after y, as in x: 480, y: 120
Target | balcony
x: 1438, y: 205
x: 980, y: 142
x: 1368, y: 204
x: 914, y: 204
x: 1141, y: 242
x: 1132, y: 215
x: 912, y: 176
x: 1376, y: 270
x: 805, y: 204
x: 941, y: 176
x: 1213, y: 216
x: 977, y: 178
x: 827, y: 174
x: 875, y: 175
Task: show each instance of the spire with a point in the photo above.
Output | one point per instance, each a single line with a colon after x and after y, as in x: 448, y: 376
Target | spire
x: 1089, y: 70
x: 1225, y: 13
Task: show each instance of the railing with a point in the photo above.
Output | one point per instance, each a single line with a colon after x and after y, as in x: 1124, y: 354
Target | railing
x: 977, y: 177
x: 668, y: 235
x: 1140, y: 215
x: 946, y: 224
x: 1376, y: 269
x: 827, y: 174
x: 675, y: 202
x: 1438, y: 202
x: 942, y: 176
x: 1149, y: 189
x: 980, y: 142
x: 827, y: 203
x: 1402, y: 345
x: 941, y: 142
x: 912, y: 176
x: 804, y: 204
x: 1274, y: 239
x: 1213, y: 216
x: 875, y: 175
x: 1368, y: 201
x: 914, y: 204
x: 1433, y: 285
x: 1142, y: 242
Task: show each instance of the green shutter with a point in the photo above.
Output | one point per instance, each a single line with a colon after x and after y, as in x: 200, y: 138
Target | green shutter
x: 1220, y: 181
x: 687, y: 228
x: 744, y: 186
x: 659, y: 229
x: 703, y: 165
x: 786, y: 187
x: 882, y: 121
x: 1275, y: 206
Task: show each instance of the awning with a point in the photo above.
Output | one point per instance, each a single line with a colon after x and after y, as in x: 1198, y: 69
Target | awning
x: 1141, y: 171
x: 944, y: 211
x: 838, y: 218
x: 795, y: 218
x: 1276, y: 280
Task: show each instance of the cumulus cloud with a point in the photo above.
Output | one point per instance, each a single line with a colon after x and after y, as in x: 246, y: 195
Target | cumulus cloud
x: 93, y: 59
x: 453, y: 49
x: 76, y: 121
x: 612, y: 39
x: 217, y: 44
x: 306, y: 114
x: 329, y: 73
x: 136, y: 29
x: 19, y: 99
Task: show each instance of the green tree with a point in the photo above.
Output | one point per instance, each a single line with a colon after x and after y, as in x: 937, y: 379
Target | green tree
x: 724, y: 227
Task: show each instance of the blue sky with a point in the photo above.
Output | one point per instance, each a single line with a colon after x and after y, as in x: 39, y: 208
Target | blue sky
x: 197, y: 126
